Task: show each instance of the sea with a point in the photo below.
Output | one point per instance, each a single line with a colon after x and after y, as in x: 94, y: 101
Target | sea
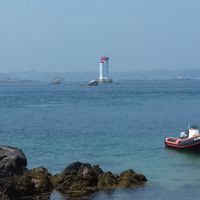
x: 118, y: 126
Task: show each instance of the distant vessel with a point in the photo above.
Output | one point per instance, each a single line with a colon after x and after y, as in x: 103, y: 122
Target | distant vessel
x: 93, y: 83
x: 179, y: 78
x: 56, y: 81
x: 104, y: 70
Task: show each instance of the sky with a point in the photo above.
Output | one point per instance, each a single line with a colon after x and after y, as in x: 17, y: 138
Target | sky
x: 71, y: 35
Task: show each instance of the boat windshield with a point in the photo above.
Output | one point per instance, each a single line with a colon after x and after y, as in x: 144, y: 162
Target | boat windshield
x: 193, y: 126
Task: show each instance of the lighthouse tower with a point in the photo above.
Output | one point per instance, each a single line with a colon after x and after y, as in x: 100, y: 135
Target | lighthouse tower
x: 104, y: 70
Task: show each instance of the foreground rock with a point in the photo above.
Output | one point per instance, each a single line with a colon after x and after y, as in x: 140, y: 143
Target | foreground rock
x: 82, y: 178
x: 79, y: 178
x: 12, y: 161
x: 32, y: 183
x: 17, y: 182
x: 41, y: 179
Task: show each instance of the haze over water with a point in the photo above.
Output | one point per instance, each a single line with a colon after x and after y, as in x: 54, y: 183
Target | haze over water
x: 71, y: 35
x: 118, y: 126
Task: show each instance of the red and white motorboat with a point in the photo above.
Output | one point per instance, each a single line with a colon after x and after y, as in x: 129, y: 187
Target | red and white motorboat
x: 189, y: 139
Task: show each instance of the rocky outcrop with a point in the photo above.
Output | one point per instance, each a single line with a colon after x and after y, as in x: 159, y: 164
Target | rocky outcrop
x: 130, y: 178
x: 107, y: 181
x: 17, y: 182
x: 41, y: 179
x: 83, y: 178
x: 77, y: 178
x: 12, y: 161
x: 32, y: 183
x: 124, y: 180
x: 17, y: 187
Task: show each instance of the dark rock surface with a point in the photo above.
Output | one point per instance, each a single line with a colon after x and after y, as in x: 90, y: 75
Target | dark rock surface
x: 12, y: 161
x: 41, y: 179
x: 78, y: 178
x: 32, y: 183
x: 17, y: 182
x: 17, y: 187
x: 82, y: 178
x: 107, y: 181
x: 126, y: 179
x: 129, y: 179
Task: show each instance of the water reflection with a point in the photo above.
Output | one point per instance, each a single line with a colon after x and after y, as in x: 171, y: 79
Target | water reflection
x: 58, y: 196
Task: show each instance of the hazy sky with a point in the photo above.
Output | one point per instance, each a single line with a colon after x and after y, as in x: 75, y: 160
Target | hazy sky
x: 71, y: 35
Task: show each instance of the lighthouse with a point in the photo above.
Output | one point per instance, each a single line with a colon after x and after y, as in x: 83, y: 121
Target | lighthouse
x: 104, y: 70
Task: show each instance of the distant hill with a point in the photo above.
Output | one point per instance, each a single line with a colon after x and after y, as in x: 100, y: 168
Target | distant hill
x: 90, y: 75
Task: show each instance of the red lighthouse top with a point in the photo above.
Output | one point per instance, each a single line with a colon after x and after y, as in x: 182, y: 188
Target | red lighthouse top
x: 104, y: 58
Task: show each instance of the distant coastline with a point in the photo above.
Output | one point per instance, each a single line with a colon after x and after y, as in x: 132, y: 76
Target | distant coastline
x: 15, y: 81
x: 84, y: 76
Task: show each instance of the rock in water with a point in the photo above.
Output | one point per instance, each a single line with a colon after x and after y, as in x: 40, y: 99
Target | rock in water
x: 17, y: 182
x: 12, y: 161
x: 107, y: 181
x: 17, y: 187
x: 126, y: 179
x: 32, y: 183
x: 41, y: 179
x: 82, y: 178
x: 78, y: 177
x: 129, y: 179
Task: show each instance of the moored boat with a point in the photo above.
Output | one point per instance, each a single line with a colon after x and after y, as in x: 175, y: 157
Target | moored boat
x: 93, y: 83
x: 189, y: 139
x: 56, y: 81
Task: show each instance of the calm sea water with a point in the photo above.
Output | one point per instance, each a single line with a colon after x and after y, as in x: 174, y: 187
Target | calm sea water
x: 118, y: 126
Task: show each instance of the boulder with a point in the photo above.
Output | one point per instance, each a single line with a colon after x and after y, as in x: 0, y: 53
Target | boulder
x: 16, y: 179
x: 82, y: 178
x: 31, y: 184
x: 17, y: 182
x: 126, y: 179
x: 130, y: 179
x: 12, y: 161
x: 107, y: 181
x: 18, y: 186
x: 41, y: 179
x: 78, y: 178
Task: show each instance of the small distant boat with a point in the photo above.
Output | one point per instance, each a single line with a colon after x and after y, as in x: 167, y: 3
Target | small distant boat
x: 56, y: 81
x: 93, y: 83
x: 189, y: 139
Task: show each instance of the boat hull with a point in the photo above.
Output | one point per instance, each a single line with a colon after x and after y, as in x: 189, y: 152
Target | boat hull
x: 188, y: 143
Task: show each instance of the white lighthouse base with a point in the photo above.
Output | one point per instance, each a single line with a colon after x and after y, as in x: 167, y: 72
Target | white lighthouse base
x: 105, y: 80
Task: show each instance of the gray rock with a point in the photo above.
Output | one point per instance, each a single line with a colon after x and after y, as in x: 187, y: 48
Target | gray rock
x: 82, y: 178
x: 41, y: 179
x: 31, y: 185
x: 78, y: 178
x: 12, y: 161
